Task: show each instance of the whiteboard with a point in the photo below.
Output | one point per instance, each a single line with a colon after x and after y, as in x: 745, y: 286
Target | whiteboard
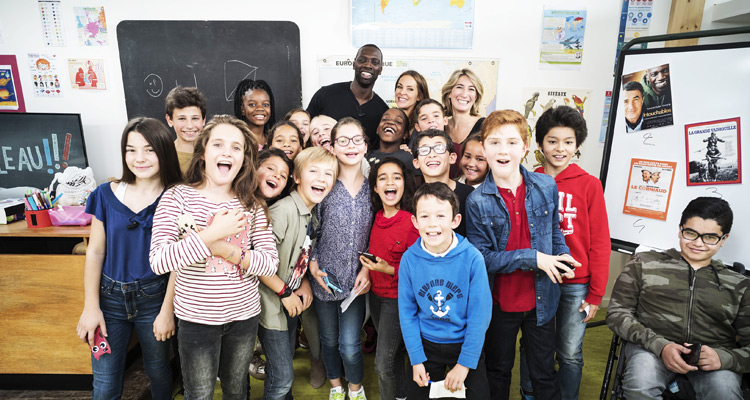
x: 708, y: 83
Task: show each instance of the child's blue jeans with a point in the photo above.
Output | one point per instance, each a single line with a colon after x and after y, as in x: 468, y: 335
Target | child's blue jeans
x: 128, y: 306
x: 340, y: 338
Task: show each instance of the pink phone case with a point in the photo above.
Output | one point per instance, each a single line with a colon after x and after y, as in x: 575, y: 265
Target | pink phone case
x: 101, y: 346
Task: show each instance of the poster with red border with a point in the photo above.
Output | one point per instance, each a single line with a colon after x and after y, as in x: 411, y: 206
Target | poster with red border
x: 649, y: 188
x: 713, y: 152
x: 16, y: 82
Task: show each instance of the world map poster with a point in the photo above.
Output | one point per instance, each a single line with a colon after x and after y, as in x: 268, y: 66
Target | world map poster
x: 414, y: 24
x: 92, y: 26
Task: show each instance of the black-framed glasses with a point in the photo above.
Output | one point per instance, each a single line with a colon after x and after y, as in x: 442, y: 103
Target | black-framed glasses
x: 344, y: 141
x: 439, y: 148
x: 707, y: 238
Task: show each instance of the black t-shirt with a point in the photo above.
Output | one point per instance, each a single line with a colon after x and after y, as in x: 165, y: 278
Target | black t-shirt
x: 337, y: 101
x: 462, y: 191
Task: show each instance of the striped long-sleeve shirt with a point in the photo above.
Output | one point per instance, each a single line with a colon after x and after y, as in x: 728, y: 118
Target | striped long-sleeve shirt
x: 200, y: 296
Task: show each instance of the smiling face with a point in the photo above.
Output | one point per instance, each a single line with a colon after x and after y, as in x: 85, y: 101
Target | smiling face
x: 504, y: 148
x: 367, y: 66
x: 435, y: 222
x: 646, y: 175
x: 392, y: 126
x: 658, y: 77
x: 633, y: 105
x: 140, y: 157
x: 302, y: 122
x: 431, y: 116
x: 434, y: 166
x: 273, y: 174
x: 697, y: 253
x: 350, y: 154
x: 286, y: 139
x: 473, y: 164
x: 407, y: 95
x: 390, y: 185
x: 315, y: 181
x: 187, y: 123
x: 256, y: 107
x: 320, y: 131
x: 463, y: 95
x: 558, y: 146
x: 224, y: 154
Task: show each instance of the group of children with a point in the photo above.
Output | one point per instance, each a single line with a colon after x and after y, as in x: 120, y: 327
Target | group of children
x: 270, y: 222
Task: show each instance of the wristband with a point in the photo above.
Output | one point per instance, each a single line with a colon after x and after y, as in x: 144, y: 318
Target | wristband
x: 231, y: 254
x: 285, y: 292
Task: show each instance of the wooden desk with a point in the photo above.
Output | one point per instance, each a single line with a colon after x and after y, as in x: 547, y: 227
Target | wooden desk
x: 41, y: 299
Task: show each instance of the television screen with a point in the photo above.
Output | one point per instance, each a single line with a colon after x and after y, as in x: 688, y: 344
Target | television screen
x: 34, y: 146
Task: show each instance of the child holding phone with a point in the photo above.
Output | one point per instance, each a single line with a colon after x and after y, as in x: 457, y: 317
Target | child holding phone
x: 392, y: 188
x: 217, y: 309
x: 121, y: 291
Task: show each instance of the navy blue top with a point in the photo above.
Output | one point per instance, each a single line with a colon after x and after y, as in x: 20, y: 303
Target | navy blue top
x: 126, y: 258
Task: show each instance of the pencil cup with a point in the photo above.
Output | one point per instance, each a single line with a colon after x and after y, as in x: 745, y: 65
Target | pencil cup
x: 37, y: 219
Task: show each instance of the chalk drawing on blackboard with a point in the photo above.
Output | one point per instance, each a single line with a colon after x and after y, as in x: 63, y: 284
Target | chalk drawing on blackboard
x: 195, y: 79
x: 235, y: 71
x: 154, y: 85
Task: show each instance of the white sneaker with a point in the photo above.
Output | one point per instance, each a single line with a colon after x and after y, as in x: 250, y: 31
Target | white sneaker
x: 358, y: 395
x: 337, y: 393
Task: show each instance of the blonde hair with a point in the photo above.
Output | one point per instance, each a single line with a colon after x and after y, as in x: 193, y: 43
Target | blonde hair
x: 312, y: 155
x: 451, y: 83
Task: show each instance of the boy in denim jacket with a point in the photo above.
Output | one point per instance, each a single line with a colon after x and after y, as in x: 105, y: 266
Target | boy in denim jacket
x: 512, y: 218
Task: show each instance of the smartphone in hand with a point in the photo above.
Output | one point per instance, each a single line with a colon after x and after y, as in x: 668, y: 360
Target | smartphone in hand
x: 368, y: 256
x: 567, y: 264
x: 694, y: 355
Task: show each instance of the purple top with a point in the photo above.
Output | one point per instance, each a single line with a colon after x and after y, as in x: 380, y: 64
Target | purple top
x: 345, y: 223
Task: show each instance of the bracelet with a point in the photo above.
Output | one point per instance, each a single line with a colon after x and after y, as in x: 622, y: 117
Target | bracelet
x: 232, y: 253
x: 242, y: 257
x: 283, y: 289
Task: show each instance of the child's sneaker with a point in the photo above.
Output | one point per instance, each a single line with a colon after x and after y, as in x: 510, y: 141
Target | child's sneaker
x: 357, y: 395
x: 337, y: 393
x: 258, y: 366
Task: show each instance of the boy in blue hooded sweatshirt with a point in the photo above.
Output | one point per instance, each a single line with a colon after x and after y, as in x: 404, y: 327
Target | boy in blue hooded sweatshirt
x: 442, y: 286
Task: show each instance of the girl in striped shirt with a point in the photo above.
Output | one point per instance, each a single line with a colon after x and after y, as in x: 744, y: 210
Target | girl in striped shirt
x: 214, y: 232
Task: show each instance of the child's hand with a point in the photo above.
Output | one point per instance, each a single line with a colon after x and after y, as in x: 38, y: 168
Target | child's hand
x: 316, y: 273
x: 420, y: 375
x: 405, y: 147
x: 293, y: 305
x: 362, y: 282
x: 87, y: 324
x: 456, y: 377
x: 550, y: 264
x: 225, y: 223
x: 164, y: 326
x: 305, y: 293
x: 380, y: 266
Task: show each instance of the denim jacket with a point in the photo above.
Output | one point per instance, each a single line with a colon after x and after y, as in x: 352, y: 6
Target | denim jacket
x: 488, y: 228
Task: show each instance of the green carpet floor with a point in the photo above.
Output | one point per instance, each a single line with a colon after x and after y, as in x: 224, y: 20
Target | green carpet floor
x: 595, y: 351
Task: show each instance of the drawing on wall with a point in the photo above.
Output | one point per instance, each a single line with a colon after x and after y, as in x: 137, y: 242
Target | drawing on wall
x: 562, y: 38
x: 46, y: 75
x: 91, y: 25
x: 87, y: 74
x: 649, y: 188
x: 713, y: 152
x: 647, y: 98
x: 420, y: 24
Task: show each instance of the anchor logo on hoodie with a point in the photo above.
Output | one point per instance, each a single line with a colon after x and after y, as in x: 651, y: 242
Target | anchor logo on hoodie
x: 439, y: 301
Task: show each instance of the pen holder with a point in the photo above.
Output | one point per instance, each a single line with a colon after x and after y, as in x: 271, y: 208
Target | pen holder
x: 38, y: 219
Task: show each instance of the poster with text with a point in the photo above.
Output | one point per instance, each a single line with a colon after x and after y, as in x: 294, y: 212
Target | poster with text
x: 91, y: 25
x: 50, y: 15
x: 87, y: 74
x: 713, y: 152
x: 649, y: 188
x: 647, y: 98
x: 562, y: 38
x: 45, y: 74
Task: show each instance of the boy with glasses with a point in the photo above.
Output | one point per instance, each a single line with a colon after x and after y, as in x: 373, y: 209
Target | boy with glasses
x: 682, y: 312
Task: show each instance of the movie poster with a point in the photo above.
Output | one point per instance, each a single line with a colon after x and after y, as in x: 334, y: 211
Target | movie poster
x: 649, y: 188
x: 647, y: 99
x: 87, y: 74
x: 713, y: 152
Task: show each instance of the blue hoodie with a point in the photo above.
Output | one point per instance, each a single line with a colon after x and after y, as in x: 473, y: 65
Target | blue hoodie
x: 444, y: 300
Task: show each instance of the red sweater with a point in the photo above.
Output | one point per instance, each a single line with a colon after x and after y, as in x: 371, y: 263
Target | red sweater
x: 583, y: 221
x: 389, y: 239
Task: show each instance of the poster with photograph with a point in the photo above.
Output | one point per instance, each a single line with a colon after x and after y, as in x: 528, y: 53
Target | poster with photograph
x: 647, y: 98
x: 87, y: 73
x: 713, y: 152
x: 562, y: 38
x: 649, y: 188
x: 91, y: 25
x: 537, y: 100
x: 45, y: 74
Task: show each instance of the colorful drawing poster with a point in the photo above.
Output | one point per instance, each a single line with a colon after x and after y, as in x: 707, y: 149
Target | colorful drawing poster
x: 87, y: 73
x: 713, y: 152
x: 91, y: 25
x: 538, y: 100
x: 45, y: 74
x: 562, y: 38
x: 647, y: 98
x: 52, y: 23
x: 605, y: 117
x: 8, y: 99
x: 649, y: 188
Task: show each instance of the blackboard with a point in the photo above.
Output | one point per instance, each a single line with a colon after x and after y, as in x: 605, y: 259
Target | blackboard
x: 709, y: 93
x: 35, y: 146
x: 156, y: 56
